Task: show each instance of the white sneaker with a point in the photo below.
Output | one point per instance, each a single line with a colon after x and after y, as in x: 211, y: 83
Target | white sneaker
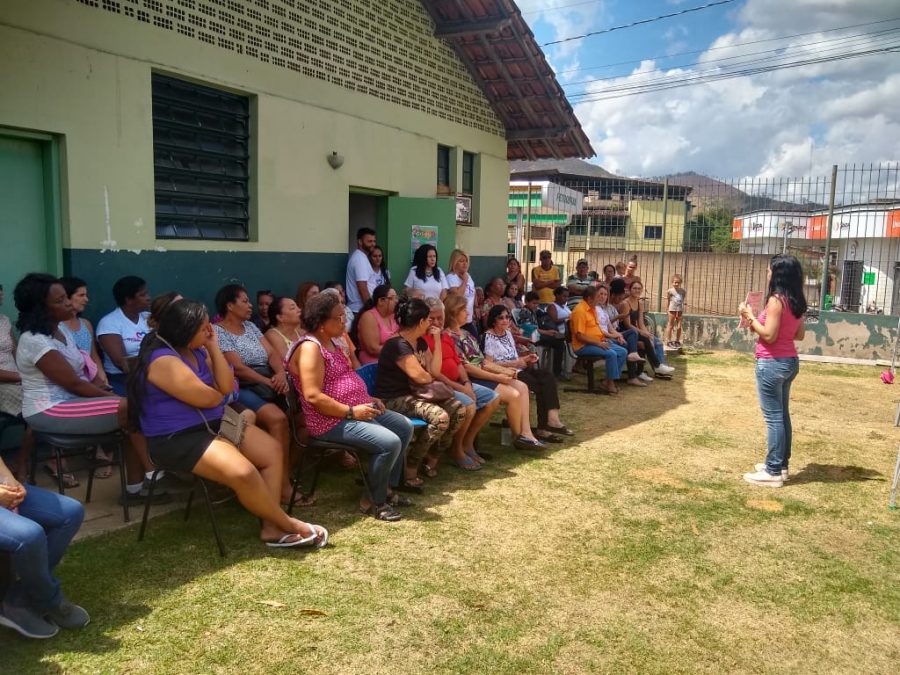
x: 664, y: 369
x: 645, y: 377
x: 784, y: 472
x: 764, y: 478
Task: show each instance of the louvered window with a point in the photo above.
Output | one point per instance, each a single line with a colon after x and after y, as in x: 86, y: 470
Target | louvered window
x: 200, y: 158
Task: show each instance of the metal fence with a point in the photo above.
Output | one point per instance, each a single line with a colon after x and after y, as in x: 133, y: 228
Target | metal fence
x: 719, y: 234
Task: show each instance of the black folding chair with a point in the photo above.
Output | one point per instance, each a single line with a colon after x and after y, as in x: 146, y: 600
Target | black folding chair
x: 66, y: 446
x: 187, y: 509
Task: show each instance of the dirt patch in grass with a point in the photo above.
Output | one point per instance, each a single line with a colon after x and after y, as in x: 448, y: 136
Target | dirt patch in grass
x: 636, y: 547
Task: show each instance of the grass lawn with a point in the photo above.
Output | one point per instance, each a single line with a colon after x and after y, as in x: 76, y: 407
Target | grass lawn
x: 635, y: 548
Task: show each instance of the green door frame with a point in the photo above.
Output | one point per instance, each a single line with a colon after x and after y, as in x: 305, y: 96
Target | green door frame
x: 50, y: 154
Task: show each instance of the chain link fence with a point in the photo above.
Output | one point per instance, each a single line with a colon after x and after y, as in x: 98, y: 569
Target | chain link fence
x: 719, y: 234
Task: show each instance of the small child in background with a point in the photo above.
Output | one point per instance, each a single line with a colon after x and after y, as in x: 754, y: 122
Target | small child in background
x: 620, y: 269
x: 675, y: 296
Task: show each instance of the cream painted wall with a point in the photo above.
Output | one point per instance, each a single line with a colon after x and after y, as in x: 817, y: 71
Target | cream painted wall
x: 89, y: 82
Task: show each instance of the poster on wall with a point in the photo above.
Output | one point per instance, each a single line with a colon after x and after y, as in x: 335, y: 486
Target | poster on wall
x: 423, y: 234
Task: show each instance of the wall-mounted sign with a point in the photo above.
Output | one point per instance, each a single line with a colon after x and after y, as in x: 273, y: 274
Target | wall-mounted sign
x: 463, y: 210
x: 423, y: 234
x: 561, y: 199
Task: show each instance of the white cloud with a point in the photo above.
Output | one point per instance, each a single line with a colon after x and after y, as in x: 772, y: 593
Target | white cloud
x: 765, y: 124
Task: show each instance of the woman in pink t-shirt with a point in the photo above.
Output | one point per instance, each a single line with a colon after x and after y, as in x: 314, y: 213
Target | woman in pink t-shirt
x: 375, y: 324
x: 778, y: 326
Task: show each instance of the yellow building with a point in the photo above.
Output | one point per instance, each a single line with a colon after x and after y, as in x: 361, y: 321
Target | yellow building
x: 199, y: 142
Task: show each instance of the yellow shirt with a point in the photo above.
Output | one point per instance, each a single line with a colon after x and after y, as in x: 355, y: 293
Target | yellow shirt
x: 584, y: 321
x: 540, y: 274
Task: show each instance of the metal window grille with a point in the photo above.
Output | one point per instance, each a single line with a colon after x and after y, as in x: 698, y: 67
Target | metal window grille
x: 443, y: 166
x: 200, y: 160
x: 468, y: 173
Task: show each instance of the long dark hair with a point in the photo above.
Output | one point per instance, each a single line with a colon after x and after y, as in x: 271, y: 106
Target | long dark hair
x: 787, y: 282
x: 226, y: 295
x: 384, y: 266
x: 420, y: 262
x: 179, y: 322
x: 30, y: 296
x: 410, y: 311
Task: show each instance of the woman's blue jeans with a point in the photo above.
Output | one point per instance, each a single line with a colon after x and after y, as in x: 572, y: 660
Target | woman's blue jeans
x: 37, y: 537
x: 773, y: 384
x: 615, y: 356
x: 385, y: 439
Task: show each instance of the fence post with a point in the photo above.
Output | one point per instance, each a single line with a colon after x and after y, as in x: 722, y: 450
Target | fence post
x: 825, y: 261
x: 662, y: 246
x: 519, y: 234
x: 527, y: 247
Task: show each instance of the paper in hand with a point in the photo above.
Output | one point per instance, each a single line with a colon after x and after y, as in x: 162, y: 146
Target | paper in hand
x: 754, y: 302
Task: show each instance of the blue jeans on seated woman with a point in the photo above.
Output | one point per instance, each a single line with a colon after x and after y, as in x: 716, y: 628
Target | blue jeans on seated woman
x: 37, y: 537
x: 385, y: 439
x: 615, y: 356
x: 773, y: 385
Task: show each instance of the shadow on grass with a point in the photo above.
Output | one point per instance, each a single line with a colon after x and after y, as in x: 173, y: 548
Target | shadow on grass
x: 833, y: 473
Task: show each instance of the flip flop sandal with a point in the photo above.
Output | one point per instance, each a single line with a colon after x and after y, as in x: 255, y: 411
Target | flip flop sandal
x: 550, y: 438
x: 291, y: 541
x: 475, y: 456
x: 428, y: 471
x: 68, y: 479
x: 467, y: 464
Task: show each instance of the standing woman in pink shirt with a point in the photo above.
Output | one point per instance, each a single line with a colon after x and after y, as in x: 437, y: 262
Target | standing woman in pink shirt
x: 778, y: 326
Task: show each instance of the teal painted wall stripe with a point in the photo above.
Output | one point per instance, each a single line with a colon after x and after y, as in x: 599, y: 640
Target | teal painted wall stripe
x: 199, y: 274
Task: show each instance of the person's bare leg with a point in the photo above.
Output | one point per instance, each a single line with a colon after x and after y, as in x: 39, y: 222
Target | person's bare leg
x: 525, y: 412
x: 223, y: 463
x: 480, y: 418
x: 553, y: 418
x: 271, y: 418
x: 510, y: 397
x: 457, y: 449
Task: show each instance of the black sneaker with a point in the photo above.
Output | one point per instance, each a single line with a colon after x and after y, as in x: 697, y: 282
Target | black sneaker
x: 26, y: 621
x: 69, y: 615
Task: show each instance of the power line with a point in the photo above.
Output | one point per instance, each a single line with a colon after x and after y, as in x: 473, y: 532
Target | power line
x: 687, y: 10
x: 832, y: 43
x: 731, y: 46
x: 622, y: 92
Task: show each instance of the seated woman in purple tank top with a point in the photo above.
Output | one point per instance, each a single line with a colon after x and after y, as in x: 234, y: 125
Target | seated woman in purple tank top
x: 176, y: 396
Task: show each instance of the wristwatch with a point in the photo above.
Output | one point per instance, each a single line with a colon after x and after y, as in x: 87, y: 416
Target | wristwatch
x: 349, y: 414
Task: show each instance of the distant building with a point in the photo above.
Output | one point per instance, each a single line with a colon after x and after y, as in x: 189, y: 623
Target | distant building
x: 864, y: 254
x: 616, y: 213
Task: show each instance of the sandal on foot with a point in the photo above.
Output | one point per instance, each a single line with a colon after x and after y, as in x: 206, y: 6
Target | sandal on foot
x: 293, y: 540
x: 68, y: 479
x: 549, y: 438
x: 400, y: 500
x: 428, y: 471
x: 475, y: 456
x: 300, y: 501
x: 384, y: 512
x: 466, y: 463
x: 413, y: 485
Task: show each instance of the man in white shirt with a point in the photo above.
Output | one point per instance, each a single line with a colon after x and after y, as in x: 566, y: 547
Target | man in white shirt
x: 359, y: 269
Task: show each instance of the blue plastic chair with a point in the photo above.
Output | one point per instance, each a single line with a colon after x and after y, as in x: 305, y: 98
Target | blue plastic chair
x: 367, y: 373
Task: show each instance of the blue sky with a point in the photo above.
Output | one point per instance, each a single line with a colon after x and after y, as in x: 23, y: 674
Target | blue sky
x: 789, y: 122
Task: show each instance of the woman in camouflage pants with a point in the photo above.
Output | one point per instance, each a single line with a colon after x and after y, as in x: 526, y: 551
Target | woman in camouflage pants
x: 404, y: 361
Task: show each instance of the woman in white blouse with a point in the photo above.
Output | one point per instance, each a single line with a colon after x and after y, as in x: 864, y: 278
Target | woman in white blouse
x: 425, y: 275
x: 500, y: 347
